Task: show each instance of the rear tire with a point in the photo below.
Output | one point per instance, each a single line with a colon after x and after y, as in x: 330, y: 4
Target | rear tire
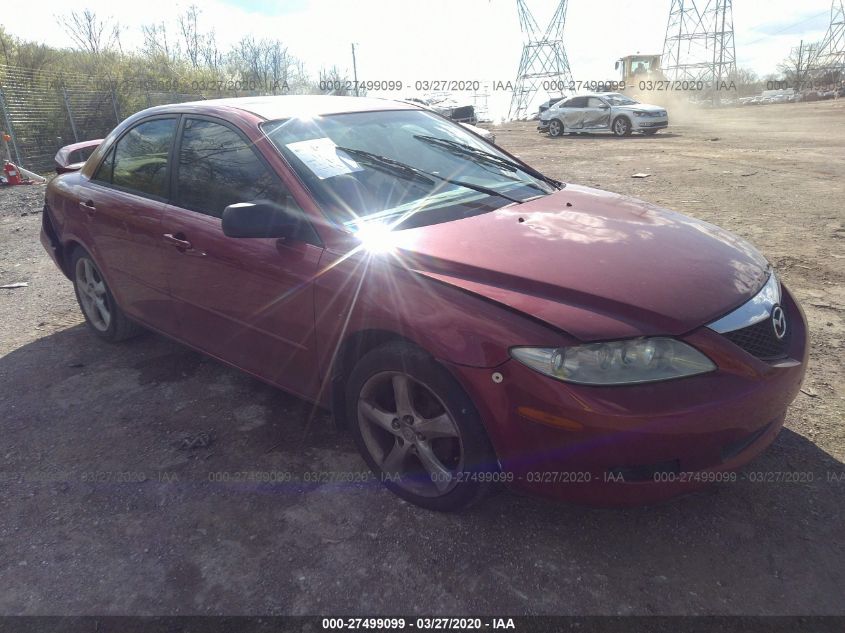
x: 101, y: 312
x: 555, y: 128
x: 418, y: 430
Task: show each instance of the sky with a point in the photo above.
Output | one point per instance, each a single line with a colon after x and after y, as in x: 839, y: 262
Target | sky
x: 411, y: 40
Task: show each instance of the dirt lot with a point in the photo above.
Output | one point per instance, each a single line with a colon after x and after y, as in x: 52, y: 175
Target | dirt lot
x: 105, y: 512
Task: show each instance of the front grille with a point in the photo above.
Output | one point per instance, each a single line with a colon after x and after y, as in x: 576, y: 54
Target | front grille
x: 759, y: 340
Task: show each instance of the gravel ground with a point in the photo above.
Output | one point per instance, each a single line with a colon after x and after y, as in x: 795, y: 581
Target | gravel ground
x: 105, y: 510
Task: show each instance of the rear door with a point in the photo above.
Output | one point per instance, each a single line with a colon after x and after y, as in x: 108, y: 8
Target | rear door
x: 573, y: 113
x: 248, y: 301
x: 122, y: 205
x: 596, y: 115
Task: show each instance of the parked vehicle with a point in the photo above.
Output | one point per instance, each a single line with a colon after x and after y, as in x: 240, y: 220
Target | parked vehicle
x: 487, y: 135
x: 449, y: 106
x: 72, y: 157
x: 602, y: 112
x: 470, y: 320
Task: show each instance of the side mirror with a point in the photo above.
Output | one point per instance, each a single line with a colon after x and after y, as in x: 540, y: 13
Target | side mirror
x: 262, y: 218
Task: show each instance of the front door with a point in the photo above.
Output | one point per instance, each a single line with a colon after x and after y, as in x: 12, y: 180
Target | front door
x: 247, y: 301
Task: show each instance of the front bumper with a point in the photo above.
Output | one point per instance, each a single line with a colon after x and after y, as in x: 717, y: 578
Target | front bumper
x: 629, y: 445
x: 542, y: 126
x: 649, y: 123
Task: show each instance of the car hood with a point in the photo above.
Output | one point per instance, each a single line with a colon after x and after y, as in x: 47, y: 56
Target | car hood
x: 591, y: 263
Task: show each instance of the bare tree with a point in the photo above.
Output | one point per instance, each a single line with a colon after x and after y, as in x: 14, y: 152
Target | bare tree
x: 746, y: 80
x: 90, y: 33
x: 191, y: 38
x: 210, y: 54
x: 795, y: 68
x: 333, y: 81
x: 158, y: 45
x: 265, y: 63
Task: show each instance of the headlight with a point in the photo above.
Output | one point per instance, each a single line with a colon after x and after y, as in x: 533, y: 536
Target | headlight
x: 639, y: 113
x: 617, y: 362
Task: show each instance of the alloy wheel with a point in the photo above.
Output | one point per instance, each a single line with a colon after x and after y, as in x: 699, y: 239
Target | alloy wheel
x: 410, y: 434
x: 92, y: 294
x: 621, y: 126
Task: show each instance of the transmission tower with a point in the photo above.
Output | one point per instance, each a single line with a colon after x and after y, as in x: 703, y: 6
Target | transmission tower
x: 828, y: 61
x: 699, y: 44
x: 543, y: 59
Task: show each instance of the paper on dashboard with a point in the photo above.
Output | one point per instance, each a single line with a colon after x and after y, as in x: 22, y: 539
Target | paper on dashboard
x: 320, y: 155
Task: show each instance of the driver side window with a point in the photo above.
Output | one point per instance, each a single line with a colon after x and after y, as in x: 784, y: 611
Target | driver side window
x: 595, y: 102
x: 216, y: 168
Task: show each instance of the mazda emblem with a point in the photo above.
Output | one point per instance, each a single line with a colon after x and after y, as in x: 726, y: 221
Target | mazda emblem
x: 779, y: 322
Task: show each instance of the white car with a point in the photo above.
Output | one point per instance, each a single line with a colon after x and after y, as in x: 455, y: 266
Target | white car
x: 602, y: 112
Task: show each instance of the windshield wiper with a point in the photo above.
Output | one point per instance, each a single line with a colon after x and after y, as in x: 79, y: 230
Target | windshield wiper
x: 419, y: 174
x: 389, y: 165
x: 501, y: 161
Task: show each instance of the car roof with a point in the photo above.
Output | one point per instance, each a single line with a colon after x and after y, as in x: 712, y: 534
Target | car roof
x: 286, y: 106
x: 592, y: 94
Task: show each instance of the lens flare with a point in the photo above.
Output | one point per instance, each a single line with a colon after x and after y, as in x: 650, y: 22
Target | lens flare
x: 376, y: 238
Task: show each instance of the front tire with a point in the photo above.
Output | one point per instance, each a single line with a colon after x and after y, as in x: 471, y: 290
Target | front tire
x: 555, y: 128
x: 418, y: 430
x: 621, y: 126
x: 102, y: 315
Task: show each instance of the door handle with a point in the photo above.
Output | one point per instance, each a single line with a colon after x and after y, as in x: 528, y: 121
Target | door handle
x: 88, y: 207
x: 178, y: 242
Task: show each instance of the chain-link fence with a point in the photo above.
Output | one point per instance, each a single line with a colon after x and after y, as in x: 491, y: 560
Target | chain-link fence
x: 42, y: 111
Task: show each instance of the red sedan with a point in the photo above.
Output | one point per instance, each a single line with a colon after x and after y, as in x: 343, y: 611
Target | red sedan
x: 470, y: 320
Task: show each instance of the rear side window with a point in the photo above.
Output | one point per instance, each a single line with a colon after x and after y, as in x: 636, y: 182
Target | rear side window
x: 577, y: 102
x: 218, y: 168
x: 138, y: 161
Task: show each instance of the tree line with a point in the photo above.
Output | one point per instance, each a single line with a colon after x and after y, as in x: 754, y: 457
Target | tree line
x: 184, y: 55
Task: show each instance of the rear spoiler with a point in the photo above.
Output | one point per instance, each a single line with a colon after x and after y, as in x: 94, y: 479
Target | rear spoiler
x: 72, y: 157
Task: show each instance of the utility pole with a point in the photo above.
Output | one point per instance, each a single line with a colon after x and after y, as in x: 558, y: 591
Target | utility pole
x: 799, y: 75
x: 354, y: 69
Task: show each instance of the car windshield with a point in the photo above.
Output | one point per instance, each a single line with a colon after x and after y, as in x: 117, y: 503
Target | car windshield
x: 619, y: 100
x: 411, y: 166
